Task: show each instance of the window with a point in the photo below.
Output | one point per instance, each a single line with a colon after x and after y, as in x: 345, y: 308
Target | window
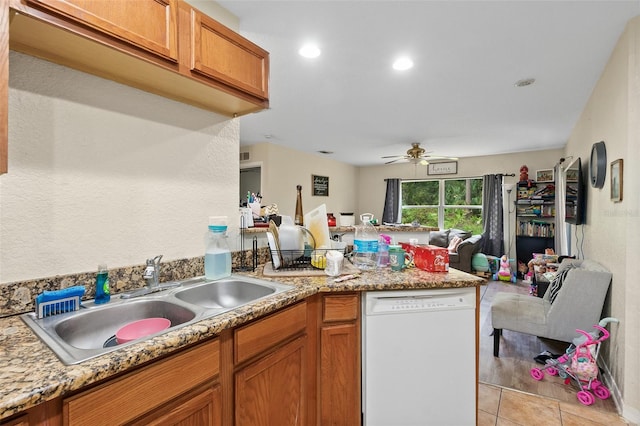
x: 445, y: 203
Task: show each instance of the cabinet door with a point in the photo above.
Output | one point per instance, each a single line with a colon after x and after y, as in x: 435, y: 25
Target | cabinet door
x: 147, y: 24
x: 271, y: 390
x: 201, y: 408
x: 150, y: 388
x: 339, y: 375
x: 227, y: 57
x: 4, y: 87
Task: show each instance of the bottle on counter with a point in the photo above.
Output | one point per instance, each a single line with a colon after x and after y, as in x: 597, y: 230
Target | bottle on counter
x: 103, y: 294
x: 217, y: 257
x: 299, y: 216
x: 383, y: 250
x: 365, y: 244
x: 331, y: 219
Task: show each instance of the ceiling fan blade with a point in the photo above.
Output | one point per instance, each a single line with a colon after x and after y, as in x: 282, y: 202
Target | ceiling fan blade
x: 393, y: 156
x: 435, y: 157
x: 393, y: 161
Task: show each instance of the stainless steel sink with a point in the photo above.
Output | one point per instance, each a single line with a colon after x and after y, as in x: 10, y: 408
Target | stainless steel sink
x: 224, y: 294
x: 93, y: 329
x: 90, y: 331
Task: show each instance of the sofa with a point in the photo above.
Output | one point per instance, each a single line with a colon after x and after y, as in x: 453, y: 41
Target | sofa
x: 461, y: 257
x: 573, y: 301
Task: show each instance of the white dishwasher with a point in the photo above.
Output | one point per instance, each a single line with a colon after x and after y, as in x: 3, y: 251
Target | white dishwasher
x: 419, y: 357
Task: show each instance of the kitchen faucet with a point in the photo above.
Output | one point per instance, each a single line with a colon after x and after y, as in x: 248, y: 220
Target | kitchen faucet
x: 152, y: 277
x: 152, y: 272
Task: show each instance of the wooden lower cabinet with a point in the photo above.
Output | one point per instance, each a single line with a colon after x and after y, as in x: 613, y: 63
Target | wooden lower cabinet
x: 148, y: 391
x: 339, y: 360
x: 198, y: 408
x: 297, y: 366
x: 271, y: 390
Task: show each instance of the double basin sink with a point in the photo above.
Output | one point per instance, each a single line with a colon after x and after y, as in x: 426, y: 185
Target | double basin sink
x: 90, y: 331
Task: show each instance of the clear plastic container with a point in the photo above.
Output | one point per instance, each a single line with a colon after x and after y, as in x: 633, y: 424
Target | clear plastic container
x: 217, y: 257
x: 383, y: 250
x: 365, y: 244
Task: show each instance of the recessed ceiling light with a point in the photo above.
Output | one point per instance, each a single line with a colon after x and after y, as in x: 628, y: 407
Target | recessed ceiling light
x: 525, y: 82
x: 402, y: 64
x: 309, y: 51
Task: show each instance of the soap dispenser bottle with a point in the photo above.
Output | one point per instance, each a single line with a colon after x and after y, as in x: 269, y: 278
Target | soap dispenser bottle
x: 103, y: 295
x: 217, y: 258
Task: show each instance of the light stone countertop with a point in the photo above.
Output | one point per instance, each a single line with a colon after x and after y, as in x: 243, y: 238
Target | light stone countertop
x: 31, y: 373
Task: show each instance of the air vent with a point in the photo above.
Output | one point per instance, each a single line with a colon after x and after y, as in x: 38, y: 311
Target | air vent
x: 244, y: 156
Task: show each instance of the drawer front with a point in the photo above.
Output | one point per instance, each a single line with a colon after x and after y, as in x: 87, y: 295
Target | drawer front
x: 134, y: 394
x: 340, y: 307
x: 263, y: 334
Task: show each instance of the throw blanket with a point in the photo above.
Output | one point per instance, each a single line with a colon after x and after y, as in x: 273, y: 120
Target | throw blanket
x: 558, y: 280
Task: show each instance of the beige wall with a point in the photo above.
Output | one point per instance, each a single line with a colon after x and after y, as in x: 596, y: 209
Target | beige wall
x: 100, y: 172
x: 612, y: 229
x: 372, y: 185
x: 284, y: 168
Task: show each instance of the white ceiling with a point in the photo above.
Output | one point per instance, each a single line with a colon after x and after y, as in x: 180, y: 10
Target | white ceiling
x: 458, y: 100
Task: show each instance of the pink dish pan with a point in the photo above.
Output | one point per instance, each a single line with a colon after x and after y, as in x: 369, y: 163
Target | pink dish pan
x: 144, y: 327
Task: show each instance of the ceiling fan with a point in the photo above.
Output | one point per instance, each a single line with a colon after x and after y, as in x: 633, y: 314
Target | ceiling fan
x: 416, y: 155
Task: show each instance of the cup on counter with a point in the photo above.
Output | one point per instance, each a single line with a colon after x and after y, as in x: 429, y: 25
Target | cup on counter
x: 334, y: 260
x: 398, y: 258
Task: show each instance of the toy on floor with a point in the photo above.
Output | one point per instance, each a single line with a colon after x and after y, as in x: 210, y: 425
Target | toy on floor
x: 504, y: 272
x: 579, y: 362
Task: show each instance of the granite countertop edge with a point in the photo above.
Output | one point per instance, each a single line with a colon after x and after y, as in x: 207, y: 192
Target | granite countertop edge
x: 32, y: 373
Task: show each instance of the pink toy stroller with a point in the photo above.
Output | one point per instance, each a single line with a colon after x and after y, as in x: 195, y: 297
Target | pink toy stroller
x: 579, y: 363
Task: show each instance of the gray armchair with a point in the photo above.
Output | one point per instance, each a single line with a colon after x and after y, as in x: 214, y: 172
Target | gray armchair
x: 577, y: 305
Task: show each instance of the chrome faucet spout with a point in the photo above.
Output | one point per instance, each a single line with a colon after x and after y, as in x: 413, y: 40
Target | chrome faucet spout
x: 152, y: 272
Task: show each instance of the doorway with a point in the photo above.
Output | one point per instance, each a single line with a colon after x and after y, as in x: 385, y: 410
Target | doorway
x: 250, y: 182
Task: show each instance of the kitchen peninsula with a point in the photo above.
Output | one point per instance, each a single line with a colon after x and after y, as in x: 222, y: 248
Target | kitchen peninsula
x: 36, y: 385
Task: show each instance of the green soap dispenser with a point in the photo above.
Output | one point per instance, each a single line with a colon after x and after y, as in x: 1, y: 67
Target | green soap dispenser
x: 103, y: 295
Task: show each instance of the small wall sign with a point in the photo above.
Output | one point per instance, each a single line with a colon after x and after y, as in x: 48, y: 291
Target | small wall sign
x: 443, y: 168
x: 320, y: 185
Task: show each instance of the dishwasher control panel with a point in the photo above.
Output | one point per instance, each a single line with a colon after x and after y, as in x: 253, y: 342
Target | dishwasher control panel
x: 390, y: 303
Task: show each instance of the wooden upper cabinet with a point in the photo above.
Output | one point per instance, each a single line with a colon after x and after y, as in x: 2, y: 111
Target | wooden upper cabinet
x: 4, y: 87
x: 226, y: 56
x: 161, y: 46
x: 148, y: 24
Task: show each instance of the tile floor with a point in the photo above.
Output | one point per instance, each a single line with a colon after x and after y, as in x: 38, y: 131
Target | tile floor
x: 505, y: 407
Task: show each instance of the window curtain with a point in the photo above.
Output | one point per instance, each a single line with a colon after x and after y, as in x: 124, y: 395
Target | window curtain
x: 492, y: 215
x: 391, y: 212
x: 561, y: 242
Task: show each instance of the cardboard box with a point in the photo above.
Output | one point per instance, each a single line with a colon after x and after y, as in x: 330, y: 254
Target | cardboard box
x: 429, y: 258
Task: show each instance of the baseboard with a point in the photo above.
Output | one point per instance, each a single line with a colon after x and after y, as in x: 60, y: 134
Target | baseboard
x: 630, y: 414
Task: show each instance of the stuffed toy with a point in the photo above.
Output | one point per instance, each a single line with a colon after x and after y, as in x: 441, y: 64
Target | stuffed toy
x: 504, y: 273
x: 524, y: 173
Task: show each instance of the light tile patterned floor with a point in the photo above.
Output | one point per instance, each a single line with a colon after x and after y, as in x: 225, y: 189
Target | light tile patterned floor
x: 505, y: 407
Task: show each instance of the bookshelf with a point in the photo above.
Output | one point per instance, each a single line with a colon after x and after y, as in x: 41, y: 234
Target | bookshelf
x: 535, y: 218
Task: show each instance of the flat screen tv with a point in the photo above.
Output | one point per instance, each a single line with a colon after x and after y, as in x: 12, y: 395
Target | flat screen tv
x: 574, y: 193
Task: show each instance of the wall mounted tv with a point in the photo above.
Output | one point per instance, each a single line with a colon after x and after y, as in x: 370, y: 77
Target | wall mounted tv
x: 574, y: 193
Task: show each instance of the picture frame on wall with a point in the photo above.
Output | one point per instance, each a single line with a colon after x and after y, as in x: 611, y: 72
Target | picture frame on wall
x: 320, y: 186
x: 443, y: 168
x: 544, y: 175
x: 572, y: 175
x: 616, y: 180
